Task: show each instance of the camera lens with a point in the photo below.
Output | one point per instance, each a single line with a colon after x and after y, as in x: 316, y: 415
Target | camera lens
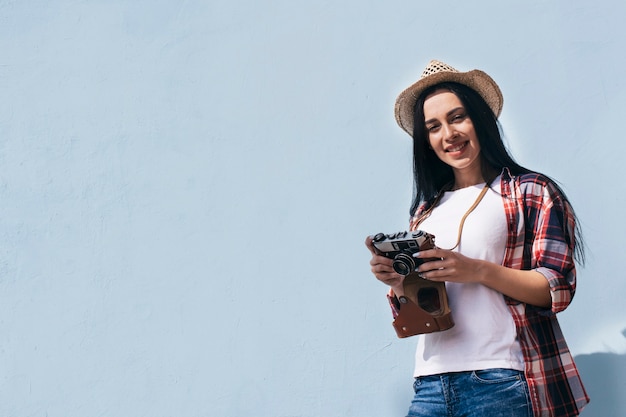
x: 404, y: 263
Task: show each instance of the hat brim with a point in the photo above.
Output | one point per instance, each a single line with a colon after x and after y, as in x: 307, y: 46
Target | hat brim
x: 477, y: 80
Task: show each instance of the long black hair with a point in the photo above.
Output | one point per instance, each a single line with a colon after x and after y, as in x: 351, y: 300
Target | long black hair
x: 431, y: 175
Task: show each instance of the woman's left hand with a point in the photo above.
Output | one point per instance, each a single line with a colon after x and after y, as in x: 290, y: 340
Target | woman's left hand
x: 528, y: 286
x: 448, y: 266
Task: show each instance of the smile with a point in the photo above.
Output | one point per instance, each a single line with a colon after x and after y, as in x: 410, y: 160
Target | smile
x: 457, y: 147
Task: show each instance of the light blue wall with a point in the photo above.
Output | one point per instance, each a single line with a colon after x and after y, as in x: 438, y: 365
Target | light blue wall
x: 185, y: 187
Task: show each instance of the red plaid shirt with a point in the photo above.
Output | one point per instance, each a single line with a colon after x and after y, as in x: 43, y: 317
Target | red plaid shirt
x: 541, y: 237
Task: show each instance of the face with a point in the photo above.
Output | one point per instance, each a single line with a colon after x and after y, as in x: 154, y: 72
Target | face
x: 451, y: 134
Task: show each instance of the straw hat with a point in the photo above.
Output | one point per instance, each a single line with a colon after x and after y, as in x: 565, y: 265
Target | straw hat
x: 437, y: 72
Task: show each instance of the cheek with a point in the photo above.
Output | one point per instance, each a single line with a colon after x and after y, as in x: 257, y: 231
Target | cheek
x: 435, y: 145
x: 476, y: 144
x: 431, y: 142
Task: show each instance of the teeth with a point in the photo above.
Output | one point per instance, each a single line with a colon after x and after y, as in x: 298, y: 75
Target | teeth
x: 457, y: 148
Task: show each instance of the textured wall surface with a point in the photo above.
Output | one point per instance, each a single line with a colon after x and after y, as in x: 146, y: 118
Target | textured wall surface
x: 185, y: 187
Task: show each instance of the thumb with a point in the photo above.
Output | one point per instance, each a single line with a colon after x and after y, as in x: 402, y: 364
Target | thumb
x: 370, y: 245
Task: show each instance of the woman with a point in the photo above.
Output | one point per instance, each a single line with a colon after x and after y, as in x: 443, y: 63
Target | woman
x: 508, y: 268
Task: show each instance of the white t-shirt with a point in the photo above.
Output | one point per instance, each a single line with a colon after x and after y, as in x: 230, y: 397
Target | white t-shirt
x: 484, y: 335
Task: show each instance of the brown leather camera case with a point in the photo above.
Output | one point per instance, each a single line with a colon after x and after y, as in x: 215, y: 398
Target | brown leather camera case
x: 423, y: 307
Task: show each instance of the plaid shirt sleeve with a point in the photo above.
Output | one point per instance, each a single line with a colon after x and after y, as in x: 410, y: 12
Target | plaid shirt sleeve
x: 549, y: 235
x: 541, y: 237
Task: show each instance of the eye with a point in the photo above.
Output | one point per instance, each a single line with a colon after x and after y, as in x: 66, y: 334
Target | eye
x: 458, y: 117
x: 432, y: 128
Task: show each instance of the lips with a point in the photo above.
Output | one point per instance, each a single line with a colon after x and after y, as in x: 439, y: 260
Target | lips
x: 457, y: 148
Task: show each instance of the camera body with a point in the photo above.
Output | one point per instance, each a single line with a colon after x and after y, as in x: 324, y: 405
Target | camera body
x: 424, y: 306
x: 401, y: 246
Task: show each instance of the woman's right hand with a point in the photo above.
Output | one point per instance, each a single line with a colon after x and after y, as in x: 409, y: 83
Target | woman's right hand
x: 383, y: 270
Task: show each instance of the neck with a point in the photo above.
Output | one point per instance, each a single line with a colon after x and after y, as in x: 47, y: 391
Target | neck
x: 464, y: 179
x: 467, y: 182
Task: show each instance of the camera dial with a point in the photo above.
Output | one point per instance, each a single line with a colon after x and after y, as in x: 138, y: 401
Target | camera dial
x: 379, y: 237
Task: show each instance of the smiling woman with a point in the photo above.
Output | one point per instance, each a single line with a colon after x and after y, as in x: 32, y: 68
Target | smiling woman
x: 512, y: 267
x: 452, y: 137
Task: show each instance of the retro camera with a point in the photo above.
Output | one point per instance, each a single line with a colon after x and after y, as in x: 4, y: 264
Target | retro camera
x: 424, y: 306
x: 401, y: 246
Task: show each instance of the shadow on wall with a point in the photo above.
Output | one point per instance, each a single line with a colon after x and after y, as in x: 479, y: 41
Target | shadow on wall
x: 604, y: 376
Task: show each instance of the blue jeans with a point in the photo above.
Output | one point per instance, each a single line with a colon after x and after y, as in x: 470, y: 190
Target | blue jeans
x: 488, y: 393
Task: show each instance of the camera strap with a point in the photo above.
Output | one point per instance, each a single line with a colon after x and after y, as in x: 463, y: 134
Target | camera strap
x: 467, y: 213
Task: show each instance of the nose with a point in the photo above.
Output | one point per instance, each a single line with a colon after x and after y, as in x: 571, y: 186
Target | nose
x: 448, y: 131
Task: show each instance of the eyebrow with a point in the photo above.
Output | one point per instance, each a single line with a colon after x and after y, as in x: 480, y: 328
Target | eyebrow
x: 454, y: 110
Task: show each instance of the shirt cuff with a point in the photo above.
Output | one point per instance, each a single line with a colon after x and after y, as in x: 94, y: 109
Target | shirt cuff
x: 394, y: 303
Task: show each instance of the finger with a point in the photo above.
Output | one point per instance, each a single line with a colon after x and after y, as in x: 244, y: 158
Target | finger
x: 390, y: 279
x: 382, y: 268
x: 378, y: 259
x: 433, y: 258
x: 423, y: 275
x: 392, y: 282
x: 431, y: 253
x: 433, y: 275
x: 434, y: 265
x: 382, y: 264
